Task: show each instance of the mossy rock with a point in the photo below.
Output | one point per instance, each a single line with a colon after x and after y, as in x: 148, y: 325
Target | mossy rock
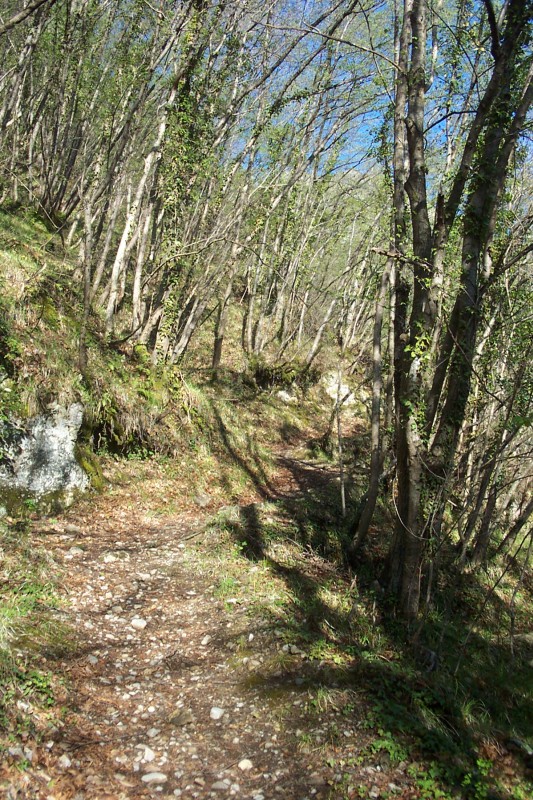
x: 284, y: 376
x: 141, y: 354
x: 50, y: 314
x: 89, y: 463
x: 20, y: 503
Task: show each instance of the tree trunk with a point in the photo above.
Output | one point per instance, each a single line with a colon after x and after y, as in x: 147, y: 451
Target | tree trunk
x: 423, y: 475
x: 132, y: 217
x: 517, y: 526
x: 220, y: 327
x: 363, y: 523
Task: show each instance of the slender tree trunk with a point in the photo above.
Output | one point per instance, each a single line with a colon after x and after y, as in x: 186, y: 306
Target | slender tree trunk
x: 312, y: 354
x: 361, y: 531
x: 401, y: 296
x: 131, y: 218
x: 87, y: 263
x: 220, y: 326
x: 520, y: 522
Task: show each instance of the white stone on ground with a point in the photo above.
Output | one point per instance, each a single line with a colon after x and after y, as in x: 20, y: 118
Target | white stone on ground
x: 154, y: 777
x: 149, y: 754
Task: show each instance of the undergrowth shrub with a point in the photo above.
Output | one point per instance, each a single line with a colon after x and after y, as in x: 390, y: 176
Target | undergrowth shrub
x: 28, y: 623
x: 9, y: 347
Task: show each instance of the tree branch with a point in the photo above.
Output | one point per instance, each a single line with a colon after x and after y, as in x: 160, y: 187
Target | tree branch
x: 494, y: 33
x: 21, y: 16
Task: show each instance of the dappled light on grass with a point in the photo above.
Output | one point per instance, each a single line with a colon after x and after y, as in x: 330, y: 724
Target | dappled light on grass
x: 342, y: 636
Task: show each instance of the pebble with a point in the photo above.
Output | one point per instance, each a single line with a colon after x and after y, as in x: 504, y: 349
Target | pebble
x: 138, y: 623
x: 203, y: 500
x: 206, y: 640
x: 72, y: 529
x: 182, y: 716
x: 92, y: 660
x: 216, y: 713
x: 154, y: 777
x: 149, y: 754
x: 64, y: 762
x: 245, y: 764
x: 221, y: 785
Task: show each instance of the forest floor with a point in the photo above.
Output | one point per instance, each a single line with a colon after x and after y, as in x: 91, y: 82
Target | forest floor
x: 204, y: 660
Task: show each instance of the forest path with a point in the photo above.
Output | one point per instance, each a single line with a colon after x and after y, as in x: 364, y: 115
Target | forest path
x: 178, y: 685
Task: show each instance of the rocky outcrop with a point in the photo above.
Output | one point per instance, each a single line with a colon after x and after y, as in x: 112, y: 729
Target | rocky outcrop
x: 39, y: 459
x: 343, y: 392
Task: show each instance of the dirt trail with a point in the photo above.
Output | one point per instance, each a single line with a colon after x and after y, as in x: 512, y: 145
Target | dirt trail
x: 167, y: 694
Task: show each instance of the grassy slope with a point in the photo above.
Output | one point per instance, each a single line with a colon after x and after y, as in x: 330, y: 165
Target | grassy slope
x: 455, y: 720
